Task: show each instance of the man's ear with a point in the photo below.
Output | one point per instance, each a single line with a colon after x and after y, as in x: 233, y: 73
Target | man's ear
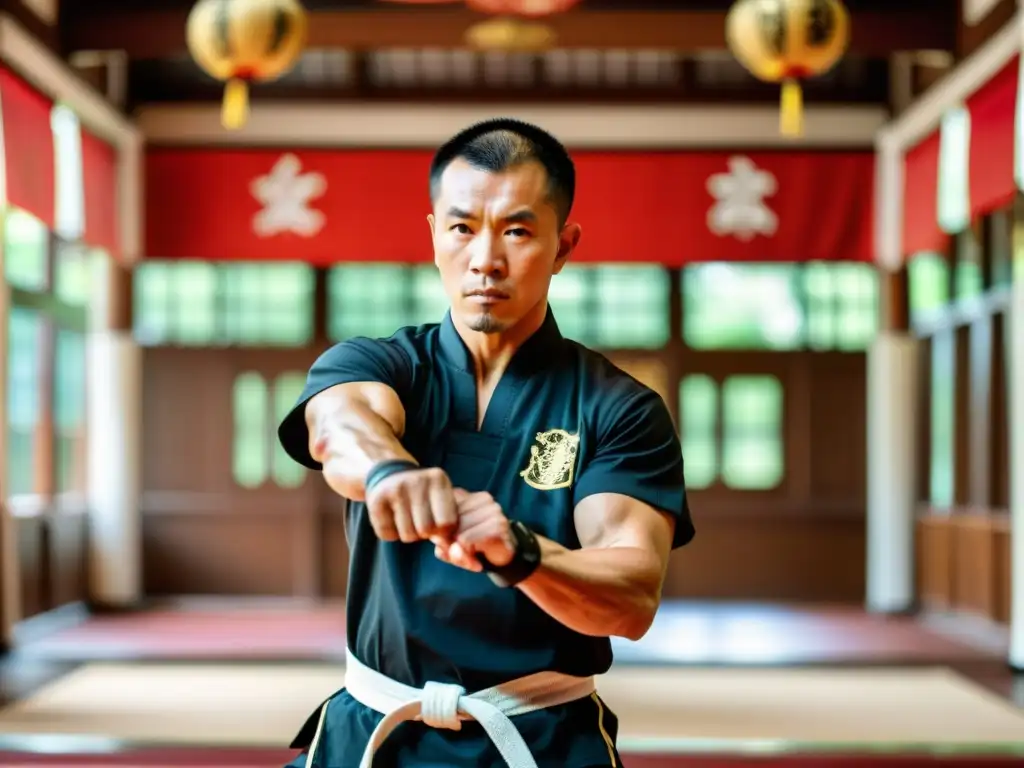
x: 567, y: 242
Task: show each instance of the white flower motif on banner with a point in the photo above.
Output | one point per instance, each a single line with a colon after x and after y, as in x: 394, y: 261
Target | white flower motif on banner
x: 286, y: 193
x: 740, y: 209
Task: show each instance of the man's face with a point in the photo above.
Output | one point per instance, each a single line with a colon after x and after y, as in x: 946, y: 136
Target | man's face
x: 497, y: 243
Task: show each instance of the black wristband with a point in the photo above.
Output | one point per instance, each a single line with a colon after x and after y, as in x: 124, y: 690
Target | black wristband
x: 382, y: 470
x: 525, y: 561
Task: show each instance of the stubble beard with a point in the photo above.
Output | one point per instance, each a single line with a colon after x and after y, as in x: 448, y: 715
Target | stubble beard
x: 485, y: 322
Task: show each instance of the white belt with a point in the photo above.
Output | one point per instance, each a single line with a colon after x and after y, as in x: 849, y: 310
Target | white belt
x: 441, y: 705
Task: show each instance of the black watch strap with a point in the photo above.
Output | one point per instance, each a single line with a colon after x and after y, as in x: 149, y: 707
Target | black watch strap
x: 525, y: 561
x: 385, y: 469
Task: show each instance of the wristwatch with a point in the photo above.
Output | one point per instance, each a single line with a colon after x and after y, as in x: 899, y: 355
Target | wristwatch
x: 524, y: 562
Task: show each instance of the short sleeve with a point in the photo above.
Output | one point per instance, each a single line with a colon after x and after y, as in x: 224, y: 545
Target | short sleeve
x: 639, y: 455
x: 355, y: 360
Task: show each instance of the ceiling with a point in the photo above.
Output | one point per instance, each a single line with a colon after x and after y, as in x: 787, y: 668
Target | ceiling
x: 608, y: 50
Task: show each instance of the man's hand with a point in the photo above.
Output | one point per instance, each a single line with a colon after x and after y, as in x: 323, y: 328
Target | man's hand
x: 482, y: 530
x: 415, y: 505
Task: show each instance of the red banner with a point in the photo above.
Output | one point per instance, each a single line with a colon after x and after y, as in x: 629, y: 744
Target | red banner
x: 325, y: 206
x: 99, y: 179
x: 28, y: 148
x: 921, y: 199
x: 993, y: 109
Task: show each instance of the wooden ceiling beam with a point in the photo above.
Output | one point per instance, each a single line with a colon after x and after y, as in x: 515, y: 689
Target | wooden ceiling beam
x: 160, y: 34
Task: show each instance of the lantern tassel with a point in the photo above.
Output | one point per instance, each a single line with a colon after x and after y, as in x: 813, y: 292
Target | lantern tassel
x: 235, y: 108
x: 791, y: 119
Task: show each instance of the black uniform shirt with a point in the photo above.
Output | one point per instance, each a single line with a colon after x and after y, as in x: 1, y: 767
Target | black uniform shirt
x: 562, y: 424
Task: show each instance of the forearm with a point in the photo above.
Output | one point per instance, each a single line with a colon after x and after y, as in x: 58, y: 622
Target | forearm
x: 349, y: 438
x: 603, y: 592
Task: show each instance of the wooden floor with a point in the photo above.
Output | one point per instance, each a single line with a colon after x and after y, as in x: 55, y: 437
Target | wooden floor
x: 685, y: 633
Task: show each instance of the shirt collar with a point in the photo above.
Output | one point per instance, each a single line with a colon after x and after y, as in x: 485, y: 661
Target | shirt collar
x: 536, y: 350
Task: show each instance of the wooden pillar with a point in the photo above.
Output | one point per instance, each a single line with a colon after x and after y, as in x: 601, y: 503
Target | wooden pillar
x: 114, y: 416
x: 893, y: 369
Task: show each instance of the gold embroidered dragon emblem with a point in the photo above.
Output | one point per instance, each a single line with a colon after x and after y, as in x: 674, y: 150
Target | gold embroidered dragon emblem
x: 552, y: 460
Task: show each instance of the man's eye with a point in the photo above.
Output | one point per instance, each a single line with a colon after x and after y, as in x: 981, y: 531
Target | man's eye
x: 519, y: 232
x: 462, y: 229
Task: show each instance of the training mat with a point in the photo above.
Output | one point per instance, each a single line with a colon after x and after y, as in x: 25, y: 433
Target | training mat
x: 263, y: 705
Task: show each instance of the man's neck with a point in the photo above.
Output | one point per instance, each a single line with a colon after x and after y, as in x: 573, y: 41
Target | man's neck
x: 492, y: 352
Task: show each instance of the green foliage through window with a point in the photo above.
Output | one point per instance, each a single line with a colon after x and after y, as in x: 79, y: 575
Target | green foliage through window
x: 198, y: 303
x: 259, y: 406
x: 24, y: 383
x: 943, y: 420
x: 732, y: 434
x: 26, y: 251
x: 375, y: 300
x: 928, y: 275
x: 605, y: 306
x: 69, y: 406
x: 752, y: 440
x: 252, y: 430
x: 818, y: 305
x: 698, y: 408
x: 612, y: 306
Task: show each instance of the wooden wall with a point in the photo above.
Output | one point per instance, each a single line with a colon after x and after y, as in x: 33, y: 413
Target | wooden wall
x: 202, y: 535
x: 52, y: 555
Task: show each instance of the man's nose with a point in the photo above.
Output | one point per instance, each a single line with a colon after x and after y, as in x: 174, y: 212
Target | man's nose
x: 487, y: 257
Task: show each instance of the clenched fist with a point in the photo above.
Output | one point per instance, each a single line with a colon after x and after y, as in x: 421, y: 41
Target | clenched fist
x: 483, y: 529
x: 413, y: 505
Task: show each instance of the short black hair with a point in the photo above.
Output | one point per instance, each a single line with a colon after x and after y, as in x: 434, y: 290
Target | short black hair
x: 502, y: 143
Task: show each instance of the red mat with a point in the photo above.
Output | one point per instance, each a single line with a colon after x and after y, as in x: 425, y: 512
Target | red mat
x: 312, y: 634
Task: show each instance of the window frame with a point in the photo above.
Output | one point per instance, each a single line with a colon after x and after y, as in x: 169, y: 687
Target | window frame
x: 55, y: 314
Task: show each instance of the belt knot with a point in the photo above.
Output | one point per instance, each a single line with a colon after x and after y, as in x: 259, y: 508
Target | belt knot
x: 440, y: 705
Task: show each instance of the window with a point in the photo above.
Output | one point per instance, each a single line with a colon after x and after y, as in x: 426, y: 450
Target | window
x: 969, y: 280
x: 612, y: 306
x: 259, y: 407
x: 733, y: 433
x: 375, y: 300
x: 1002, y: 248
x: 752, y: 450
x: 818, y: 305
x: 73, y: 273
x: 69, y: 405
x: 24, y: 383
x: 608, y: 306
x: 943, y: 421
x: 842, y: 305
x: 286, y: 472
x: 698, y: 408
x: 199, y: 303
x: 26, y: 249
x: 928, y: 277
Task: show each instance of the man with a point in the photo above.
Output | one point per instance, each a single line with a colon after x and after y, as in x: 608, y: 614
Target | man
x: 514, y: 496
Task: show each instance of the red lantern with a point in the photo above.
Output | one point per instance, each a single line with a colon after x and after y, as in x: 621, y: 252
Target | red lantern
x: 533, y: 8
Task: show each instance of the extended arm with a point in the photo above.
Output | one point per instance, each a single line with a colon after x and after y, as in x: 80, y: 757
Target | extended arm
x: 352, y: 427
x: 612, y: 586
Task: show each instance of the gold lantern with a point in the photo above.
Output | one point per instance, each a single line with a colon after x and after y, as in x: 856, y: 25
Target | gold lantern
x: 243, y: 41
x: 785, y: 41
x: 516, y: 26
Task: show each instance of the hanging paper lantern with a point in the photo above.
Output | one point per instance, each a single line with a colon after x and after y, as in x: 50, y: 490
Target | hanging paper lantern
x: 244, y: 41
x: 533, y: 8
x: 786, y: 41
